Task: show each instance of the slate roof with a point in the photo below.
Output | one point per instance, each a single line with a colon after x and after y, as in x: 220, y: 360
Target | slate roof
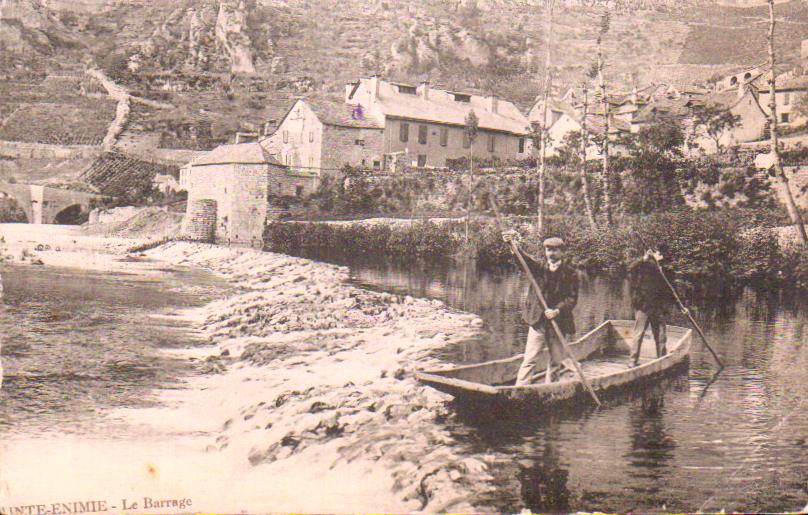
x: 441, y: 107
x: 241, y: 153
x: 334, y: 111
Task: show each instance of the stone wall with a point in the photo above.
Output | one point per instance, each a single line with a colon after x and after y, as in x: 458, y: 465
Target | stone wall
x: 19, y: 150
x: 286, y: 183
x: 354, y: 146
x: 506, y: 146
x: 240, y: 191
x: 200, y: 220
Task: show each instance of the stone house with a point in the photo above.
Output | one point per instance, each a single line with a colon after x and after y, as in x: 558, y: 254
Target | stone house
x: 379, y: 123
x: 238, y: 179
x: 595, y: 126
x: 321, y: 135
x: 791, y: 89
x: 555, y: 110
x: 753, y: 119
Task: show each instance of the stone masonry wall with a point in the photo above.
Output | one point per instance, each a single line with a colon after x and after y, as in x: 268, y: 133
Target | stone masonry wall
x: 353, y: 146
x: 240, y: 191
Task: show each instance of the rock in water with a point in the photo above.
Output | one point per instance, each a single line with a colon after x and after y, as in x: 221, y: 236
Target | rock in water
x: 232, y: 37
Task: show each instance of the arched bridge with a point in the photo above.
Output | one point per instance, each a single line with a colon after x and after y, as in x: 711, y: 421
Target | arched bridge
x: 45, y: 205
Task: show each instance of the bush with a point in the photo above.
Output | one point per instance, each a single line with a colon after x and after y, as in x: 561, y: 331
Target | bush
x: 722, y: 247
x: 795, y: 266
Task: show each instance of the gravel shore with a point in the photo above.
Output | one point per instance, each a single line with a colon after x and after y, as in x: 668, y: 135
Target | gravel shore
x: 311, y: 379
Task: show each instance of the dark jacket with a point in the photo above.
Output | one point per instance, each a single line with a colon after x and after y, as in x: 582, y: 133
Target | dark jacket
x: 560, y: 289
x: 649, y: 292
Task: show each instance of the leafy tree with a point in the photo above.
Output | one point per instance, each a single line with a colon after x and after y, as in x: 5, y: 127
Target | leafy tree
x: 714, y: 122
x: 649, y: 179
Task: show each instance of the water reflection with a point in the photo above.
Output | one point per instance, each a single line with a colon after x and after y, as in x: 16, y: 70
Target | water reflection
x: 733, y: 441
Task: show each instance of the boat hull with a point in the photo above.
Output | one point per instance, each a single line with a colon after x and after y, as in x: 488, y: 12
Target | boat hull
x: 603, y: 354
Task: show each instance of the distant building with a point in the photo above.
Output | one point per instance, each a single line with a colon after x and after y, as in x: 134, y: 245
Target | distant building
x: 380, y: 122
x: 753, y: 119
x: 321, y: 135
x: 790, y: 91
x: 740, y: 78
x: 555, y: 110
x: 595, y: 126
x: 239, y: 178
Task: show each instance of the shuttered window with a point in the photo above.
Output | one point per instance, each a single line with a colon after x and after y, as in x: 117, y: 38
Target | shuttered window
x: 444, y: 136
x: 422, y: 133
x: 404, y: 132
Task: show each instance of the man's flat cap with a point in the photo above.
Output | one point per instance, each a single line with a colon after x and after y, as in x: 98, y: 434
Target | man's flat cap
x: 553, y: 242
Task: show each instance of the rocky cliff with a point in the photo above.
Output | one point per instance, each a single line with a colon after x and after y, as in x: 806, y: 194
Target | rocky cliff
x: 232, y: 36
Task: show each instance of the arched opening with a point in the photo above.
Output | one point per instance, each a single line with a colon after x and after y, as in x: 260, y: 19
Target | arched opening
x: 747, y: 76
x: 733, y: 81
x: 10, y: 210
x: 71, y: 215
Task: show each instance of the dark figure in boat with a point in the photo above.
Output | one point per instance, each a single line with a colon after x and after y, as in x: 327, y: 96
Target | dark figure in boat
x: 559, y: 283
x: 651, y: 300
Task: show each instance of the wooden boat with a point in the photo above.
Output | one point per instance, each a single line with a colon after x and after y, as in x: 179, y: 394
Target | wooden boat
x: 603, y: 354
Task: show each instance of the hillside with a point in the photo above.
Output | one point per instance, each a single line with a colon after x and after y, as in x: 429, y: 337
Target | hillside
x: 226, y: 65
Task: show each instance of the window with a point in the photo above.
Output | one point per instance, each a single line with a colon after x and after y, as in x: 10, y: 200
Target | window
x: 286, y: 136
x: 377, y: 164
x: 421, y: 160
x: 786, y: 99
x: 460, y: 97
x: 408, y: 90
x: 422, y: 131
x: 444, y: 136
x: 404, y: 132
x: 359, y: 142
x: 521, y: 145
x: 491, y: 143
x: 466, y: 140
x: 311, y: 136
x: 298, y: 190
x: 784, y: 117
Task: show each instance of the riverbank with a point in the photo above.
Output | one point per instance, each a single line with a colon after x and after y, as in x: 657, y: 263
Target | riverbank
x: 305, y: 401
x: 312, y: 384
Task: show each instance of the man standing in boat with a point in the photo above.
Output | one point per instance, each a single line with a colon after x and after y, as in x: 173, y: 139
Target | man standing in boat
x: 559, y: 283
x: 651, y: 300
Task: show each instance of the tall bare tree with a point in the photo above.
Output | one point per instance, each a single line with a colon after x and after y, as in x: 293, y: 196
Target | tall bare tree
x: 548, y: 78
x: 471, y: 129
x: 793, y: 212
x: 590, y: 213
x: 604, y: 99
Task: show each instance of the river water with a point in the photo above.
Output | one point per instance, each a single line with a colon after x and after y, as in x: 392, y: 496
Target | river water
x: 735, y: 441
x: 77, y: 345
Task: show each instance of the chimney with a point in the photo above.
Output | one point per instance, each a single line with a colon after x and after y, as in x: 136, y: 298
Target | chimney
x: 349, y: 90
x: 492, y: 103
x: 374, y: 88
x: 424, y: 90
